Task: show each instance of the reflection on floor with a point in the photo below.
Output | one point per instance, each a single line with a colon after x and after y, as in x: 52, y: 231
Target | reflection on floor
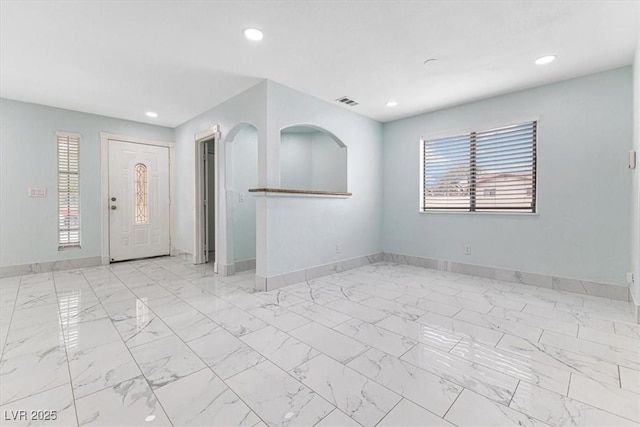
x: 163, y: 342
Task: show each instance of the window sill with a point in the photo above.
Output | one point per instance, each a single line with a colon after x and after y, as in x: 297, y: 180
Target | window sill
x: 307, y: 193
x: 444, y: 211
x: 68, y: 248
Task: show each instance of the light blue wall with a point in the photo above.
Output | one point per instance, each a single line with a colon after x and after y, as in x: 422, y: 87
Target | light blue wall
x: 582, y: 229
x: 28, y: 158
x: 247, y: 107
x: 295, y: 161
x: 584, y: 186
x: 635, y: 222
x: 312, y: 161
x: 329, y: 164
x: 242, y: 174
x: 302, y: 232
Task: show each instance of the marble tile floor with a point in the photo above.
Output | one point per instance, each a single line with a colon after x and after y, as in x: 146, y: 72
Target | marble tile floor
x: 164, y: 342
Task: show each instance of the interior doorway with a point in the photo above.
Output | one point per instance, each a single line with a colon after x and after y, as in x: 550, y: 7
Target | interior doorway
x: 209, y: 193
x: 224, y: 210
x: 206, y: 198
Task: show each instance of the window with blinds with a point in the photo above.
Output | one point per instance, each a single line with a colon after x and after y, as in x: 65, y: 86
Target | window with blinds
x: 486, y: 171
x: 68, y: 190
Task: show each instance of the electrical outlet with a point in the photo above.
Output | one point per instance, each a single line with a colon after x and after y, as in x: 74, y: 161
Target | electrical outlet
x: 241, y: 197
x: 629, y: 278
x: 467, y: 249
x: 338, y: 248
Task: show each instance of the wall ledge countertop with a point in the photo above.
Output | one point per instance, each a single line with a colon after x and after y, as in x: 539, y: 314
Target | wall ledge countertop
x: 300, y: 192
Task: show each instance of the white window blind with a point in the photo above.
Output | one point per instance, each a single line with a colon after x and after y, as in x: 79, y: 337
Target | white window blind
x: 68, y: 190
x: 485, y: 171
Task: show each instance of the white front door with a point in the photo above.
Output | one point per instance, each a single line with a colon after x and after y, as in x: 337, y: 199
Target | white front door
x: 139, y: 203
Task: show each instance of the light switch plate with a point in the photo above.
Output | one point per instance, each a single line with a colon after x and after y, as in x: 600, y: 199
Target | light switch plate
x: 37, y: 192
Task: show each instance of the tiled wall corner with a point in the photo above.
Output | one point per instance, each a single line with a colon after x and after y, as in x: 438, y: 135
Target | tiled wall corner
x: 261, y: 283
x: 246, y: 265
x: 187, y: 256
x: 225, y: 270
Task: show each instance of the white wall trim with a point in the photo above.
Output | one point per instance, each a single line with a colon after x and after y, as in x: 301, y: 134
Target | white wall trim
x: 310, y: 273
x: 48, y: 266
x: 576, y: 286
x: 245, y: 265
x: 105, y: 138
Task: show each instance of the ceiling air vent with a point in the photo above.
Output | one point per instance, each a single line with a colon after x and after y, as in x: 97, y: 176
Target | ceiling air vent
x: 348, y: 101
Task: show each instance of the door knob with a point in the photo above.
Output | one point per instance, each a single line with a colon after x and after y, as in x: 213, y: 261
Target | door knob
x: 113, y: 207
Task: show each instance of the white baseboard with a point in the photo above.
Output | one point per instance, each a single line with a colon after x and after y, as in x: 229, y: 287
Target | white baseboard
x: 585, y: 287
x: 278, y: 281
x: 46, y: 267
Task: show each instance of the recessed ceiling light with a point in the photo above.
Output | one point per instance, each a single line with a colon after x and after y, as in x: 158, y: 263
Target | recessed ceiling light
x: 545, y: 59
x: 392, y: 104
x: 150, y: 418
x: 152, y: 114
x: 430, y: 61
x: 253, y: 34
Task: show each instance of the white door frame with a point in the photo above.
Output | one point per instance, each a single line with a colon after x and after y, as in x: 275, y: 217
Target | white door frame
x: 104, y: 188
x: 199, y: 219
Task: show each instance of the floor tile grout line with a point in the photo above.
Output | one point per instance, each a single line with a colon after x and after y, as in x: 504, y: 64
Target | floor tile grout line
x: 10, y: 402
x: 346, y: 365
x: 614, y: 331
x: 137, y: 365
x: 13, y: 310
x: 390, y: 410
x: 590, y: 356
x: 339, y: 410
x: 514, y: 393
x: 593, y: 406
x: 462, y: 389
x: 522, y: 412
x: 412, y: 347
x: 50, y: 388
x: 460, y: 383
x: 508, y: 353
x: 267, y: 359
x: 66, y: 352
x: 214, y: 373
x: 455, y: 345
x: 223, y: 380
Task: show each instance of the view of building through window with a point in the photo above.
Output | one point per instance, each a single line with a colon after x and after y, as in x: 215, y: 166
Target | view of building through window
x: 493, y: 170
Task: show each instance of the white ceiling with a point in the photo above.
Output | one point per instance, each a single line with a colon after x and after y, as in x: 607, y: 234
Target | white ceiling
x: 180, y: 58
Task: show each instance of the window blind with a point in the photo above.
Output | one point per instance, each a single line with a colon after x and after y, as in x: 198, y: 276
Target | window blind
x: 482, y: 171
x: 68, y: 190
